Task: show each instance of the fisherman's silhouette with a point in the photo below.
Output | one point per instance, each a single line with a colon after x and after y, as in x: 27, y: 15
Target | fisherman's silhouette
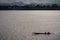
x: 49, y: 33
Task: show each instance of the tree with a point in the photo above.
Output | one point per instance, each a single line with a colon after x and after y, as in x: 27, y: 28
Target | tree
x: 54, y: 5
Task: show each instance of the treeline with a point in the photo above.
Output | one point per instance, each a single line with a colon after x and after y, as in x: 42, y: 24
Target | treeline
x: 31, y: 7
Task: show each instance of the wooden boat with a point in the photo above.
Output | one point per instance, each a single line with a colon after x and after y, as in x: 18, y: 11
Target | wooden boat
x: 45, y: 33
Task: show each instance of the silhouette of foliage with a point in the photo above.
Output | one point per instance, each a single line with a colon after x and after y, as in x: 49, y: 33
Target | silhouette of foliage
x: 31, y: 6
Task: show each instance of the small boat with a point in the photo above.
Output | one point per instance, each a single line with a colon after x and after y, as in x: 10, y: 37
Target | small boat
x: 46, y: 33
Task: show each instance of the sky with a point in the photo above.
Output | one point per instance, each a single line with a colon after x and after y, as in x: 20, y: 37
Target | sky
x: 43, y: 1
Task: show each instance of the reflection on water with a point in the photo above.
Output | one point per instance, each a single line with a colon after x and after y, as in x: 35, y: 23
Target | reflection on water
x: 19, y: 25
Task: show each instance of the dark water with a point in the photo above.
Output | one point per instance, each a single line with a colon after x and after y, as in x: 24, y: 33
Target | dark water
x: 20, y: 25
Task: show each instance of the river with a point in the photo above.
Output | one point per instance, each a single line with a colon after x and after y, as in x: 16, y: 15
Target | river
x: 20, y: 25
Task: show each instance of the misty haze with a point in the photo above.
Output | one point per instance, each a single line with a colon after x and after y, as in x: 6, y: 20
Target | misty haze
x: 20, y: 25
x: 27, y: 1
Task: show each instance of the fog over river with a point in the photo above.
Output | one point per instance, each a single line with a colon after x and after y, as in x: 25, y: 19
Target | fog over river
x: 20, y: 25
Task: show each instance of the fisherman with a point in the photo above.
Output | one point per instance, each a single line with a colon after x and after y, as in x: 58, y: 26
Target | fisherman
x: 49, y: 33
x: 45, y: 32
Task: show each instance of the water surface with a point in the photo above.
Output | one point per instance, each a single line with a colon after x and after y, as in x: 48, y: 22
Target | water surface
x: 19, y: 25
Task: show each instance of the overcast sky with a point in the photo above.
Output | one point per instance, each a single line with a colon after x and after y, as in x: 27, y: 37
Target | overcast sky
x: 44, y: 1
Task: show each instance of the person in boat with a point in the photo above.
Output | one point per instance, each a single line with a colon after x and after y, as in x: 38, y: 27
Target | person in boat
x: 45, y: 32
x: 49, y: 33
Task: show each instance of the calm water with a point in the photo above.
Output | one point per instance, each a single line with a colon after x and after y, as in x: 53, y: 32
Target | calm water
x: 20, y: 25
